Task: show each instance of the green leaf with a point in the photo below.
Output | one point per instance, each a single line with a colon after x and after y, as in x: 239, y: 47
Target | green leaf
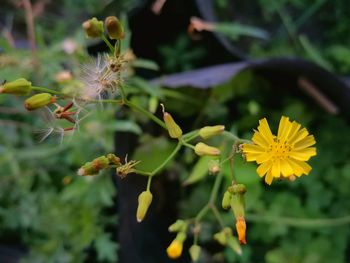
x: 199, y: 171
x: 106, y: 249
x: 145, y: 63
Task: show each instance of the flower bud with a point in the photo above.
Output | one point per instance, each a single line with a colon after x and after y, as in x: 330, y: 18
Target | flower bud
x: 233, y: 244
x: 195, y: 251
x: 113, y: 159
x: 237, y: 200
x: 226, y: 200
x: 174, y: 250
x: 203, y: 149
x: 145, y: 200
x: 214, y: 167
x: 179, y: 225
x: 210, y: 131
x: 173, y: 129
x: 93, y: 28
x: 38, y: 101
x: 92, y: 168
x: 241, y: 229
x: 114, y: 28
x: 20, y: 87
x: 222, y: 236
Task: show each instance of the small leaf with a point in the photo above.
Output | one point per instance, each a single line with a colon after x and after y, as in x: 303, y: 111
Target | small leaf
x: 199, y: 171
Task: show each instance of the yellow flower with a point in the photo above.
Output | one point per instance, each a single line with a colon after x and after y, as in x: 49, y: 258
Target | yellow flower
x: 175, y: 249
x: 282, y: 155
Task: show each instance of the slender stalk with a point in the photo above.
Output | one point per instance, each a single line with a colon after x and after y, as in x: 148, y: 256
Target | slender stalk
x: 234, y: 137
x: 217, y: 215
x: 42, y: 89
x: 146, y: 113
x: 149, y: 182
x: 110, y: 46
x: 170, y: 157
x: 187, y: 144
x: 299, y: 222
x: 202, y: 213
x: 214, y: 191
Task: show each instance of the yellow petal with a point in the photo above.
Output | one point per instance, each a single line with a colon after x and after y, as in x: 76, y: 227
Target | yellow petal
x: 306, y: 167
x: 293, y: 130
x: 268, y: 178
x: 250, y: 157
x: 303, y: 154
x: 276, y: 168
x: 297, y: 169
x: 304, y: 143
x: 286, y: 169
x: 298, y: 136
x: 284, y: 128
x: 252, y: 148
x: 259, y: 140
x: 263, y: 168
x: 265, y: 131
x: 264, y: 157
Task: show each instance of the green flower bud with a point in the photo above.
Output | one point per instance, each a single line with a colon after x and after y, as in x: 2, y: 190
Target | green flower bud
x: 19, y: 87
x: 173, y: 129
x: 237, y: 200
x: 93, y: 28
x: 114, y: 28
x: 195, y: 251
x: 234, y: 245
x: 226, y: 200
x: 210, y: 131
x: 113, y: 159
x: 222, y: 236
x: 145, y: 200
x: 203, y: 149
x: 38, y: 101
x: 179, y: 225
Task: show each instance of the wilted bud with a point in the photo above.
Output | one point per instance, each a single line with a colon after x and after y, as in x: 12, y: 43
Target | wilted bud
x: 174, y: 250
x: 226, y: 200
x: 145, y: 200
x: 214, y: 167
x: 20, y: 87
x: 179, y: 225
x: 195, y: 251
x: 92, y: 168
x: 93, y: 28
x: 203, y: 149
x: 241, y: 229
x: 173, y: 129
x: 210, y: 131
x: 38, y: 101
x: 113, y: 159
x: 114, y: 28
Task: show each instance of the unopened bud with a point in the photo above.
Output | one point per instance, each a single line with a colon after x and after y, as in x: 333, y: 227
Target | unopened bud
x: 210, y: 131
x: 145, y: 200
x: 174, y: 250
x: 226, y: 200
x: 203, y: 149
x: 38, y: 101
x: 179, y: 225
x: 195, y: 251
x: 234, y: 245
x: 92, y: 168
x: 19, y: 87
x: 214, y: 167
x: 114, y: 28
x: 173, y: 129
x: 237, y: 199
x: 93, y: 28
x: 222, y: 236
x: 113, y: 159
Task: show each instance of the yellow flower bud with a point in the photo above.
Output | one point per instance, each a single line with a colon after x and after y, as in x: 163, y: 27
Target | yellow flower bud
x: 226, y: 200
x: 20, y: 87
x: 195, y: 251
x: 174, y: 250
x: 145, y: 200
x: 173, y: 129
x: 203, y: 149
x: 93, y: 28
x: 114, y: 28
x: 38, y: 101
x: 179, y: 225
x: 210, y: 131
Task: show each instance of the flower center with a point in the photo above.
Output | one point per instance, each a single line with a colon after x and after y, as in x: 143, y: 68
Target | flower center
x: 279, y: 149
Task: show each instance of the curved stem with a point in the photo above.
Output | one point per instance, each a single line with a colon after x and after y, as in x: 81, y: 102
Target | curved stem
x: 217, y: 216
x: 234, y: 137
x: 149, y: 182
x: 170, y: 157
x: 42, y: 89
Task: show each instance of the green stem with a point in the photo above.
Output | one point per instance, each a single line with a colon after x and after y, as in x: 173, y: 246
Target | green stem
x: 146, y: 113
x: 187, y: 144
x: 149, y: 182
x: 108, y: 101
x: 170, y: 157
x: 299, y: 222
x: 110, y: 46
x: 234, y: 137
x: 214, y: 191
x: 202, y: 213
x: 42, y: 89
x: 190, y: 136
x: 217, y: 216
